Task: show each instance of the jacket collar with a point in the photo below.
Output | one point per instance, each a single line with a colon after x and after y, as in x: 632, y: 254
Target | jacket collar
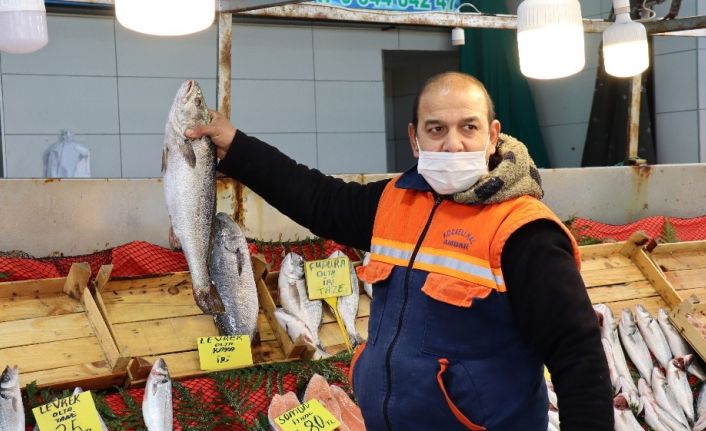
x: 412, y: 180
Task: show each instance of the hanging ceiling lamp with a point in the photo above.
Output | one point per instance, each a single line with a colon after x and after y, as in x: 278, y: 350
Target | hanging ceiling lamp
x: 550, y: 38
x: 625, y: 51
x: 166, y: 17
x: 23, y: 26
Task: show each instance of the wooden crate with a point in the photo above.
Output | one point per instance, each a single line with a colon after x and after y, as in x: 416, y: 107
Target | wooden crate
x: 53, y: 330
x: 329, y: 333
x: 623, y: 274
x: 679, y: 317
x: 152, y: 317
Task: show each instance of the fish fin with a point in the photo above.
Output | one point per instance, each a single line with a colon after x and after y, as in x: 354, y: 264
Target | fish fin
x: 174, y: 242
x: 187, y: 151
x: 210, y: 302
x: 165, y: 155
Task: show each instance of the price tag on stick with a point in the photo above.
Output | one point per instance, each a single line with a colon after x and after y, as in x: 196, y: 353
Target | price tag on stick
x: 222, y: 353
x: 309, y: 416
x: 328, y: 279
x: 73, y: 413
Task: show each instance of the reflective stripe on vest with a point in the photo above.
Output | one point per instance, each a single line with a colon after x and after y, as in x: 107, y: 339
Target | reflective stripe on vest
x: 429, y: 259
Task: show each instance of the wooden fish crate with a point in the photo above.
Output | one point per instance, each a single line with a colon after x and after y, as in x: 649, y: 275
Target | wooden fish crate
x: 329, y: 333
x: 623, y: 274
x: 53, y: 330
x: 683, y: 266
x: 152, y: 317
x: 679, y: 316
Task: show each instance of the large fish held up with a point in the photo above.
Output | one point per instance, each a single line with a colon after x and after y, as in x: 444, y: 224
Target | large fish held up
x: 12, y: 413
x: 189, y: 167
x: 232, y: 274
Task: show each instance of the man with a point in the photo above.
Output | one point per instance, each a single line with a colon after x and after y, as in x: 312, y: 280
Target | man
x: 476, y: 281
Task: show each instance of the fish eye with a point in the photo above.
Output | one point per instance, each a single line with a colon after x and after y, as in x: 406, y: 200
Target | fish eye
x: 197, y: 101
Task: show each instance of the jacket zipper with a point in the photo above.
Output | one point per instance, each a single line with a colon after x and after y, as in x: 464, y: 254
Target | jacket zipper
x: 388, y: 355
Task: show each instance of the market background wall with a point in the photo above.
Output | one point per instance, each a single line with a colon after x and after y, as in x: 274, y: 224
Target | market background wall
x: 332, y: 97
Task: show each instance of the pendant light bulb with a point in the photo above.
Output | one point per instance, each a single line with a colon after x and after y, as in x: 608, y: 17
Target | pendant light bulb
x: 550, y: 38
x: 165, y: 17
x: 23, y: 26
x: 625, y: 49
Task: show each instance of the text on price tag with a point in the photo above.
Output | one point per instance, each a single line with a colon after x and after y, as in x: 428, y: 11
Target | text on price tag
x: 327, y: 278
x: 221, y: 353
x: 309, y: 416
x: 73, y: 413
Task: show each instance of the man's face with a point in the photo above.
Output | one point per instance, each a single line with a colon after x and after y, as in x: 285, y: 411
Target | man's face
x: 452, y: 117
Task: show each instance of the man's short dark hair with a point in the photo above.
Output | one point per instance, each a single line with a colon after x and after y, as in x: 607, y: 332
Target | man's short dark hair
x: 464, y: 76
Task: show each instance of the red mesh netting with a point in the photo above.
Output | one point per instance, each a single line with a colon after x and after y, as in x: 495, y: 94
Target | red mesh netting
x: 16, y: 269
x: 689, y: 229
x: 273, y: 252
x: 205, y: 391
x: 95, y: 260
x: 652, y: 226
x: 142, y: 258
x: 679, y: 229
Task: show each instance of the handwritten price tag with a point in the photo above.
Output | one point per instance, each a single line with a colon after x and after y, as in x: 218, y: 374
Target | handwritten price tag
x: 73, y: 413
x: 222, y: 353
x: 328, y: 278
x: 310, y: 416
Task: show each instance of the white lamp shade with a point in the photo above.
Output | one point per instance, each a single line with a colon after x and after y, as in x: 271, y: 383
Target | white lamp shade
x: 165, y: 17
x: 550, y: 38
x: 23, y: 26
x: 625, y: 50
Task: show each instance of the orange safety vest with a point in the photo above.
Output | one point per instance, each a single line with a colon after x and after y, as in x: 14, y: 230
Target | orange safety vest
x: 423, y: 321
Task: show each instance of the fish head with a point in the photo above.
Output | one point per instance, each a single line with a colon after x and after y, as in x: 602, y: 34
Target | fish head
x: 159, y: 373
x: 657, y: 375
x: 642, y: 311
x: 227, y: 231
x: 10, y: 377
x: 293, y: 264
x: 627, y: 318
x: 335, y: 254
x: 189, y: 107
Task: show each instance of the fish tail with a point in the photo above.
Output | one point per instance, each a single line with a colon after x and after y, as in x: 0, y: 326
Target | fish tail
x: 209, y: 301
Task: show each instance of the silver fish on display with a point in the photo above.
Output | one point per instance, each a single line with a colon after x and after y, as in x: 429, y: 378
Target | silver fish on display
x: 157, y: 401
x: 348, y: 305
x: 665, y: 398
x: 678, y: 345
x: 609, y: 331
x: 293, y: 295
x: 232, y: 274
x: 630, y: 394
x: 634, y: 345
x: 554, y: 418
x: 367, y: 286
x: 189, y: 167
x: 653, y: 336
x: 624, y: 418
x: 12, y: 413
x: 655, y: 416
x: 551, y: 395
x: 295, y: 328
x: 678, y: 382
x: 700, y: 424
x: 612, y: 371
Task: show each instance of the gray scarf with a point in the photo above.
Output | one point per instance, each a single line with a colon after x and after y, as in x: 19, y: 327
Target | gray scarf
x: 515, y: 175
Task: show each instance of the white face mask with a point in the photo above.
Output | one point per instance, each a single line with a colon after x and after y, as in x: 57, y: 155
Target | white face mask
x: 449, y: 173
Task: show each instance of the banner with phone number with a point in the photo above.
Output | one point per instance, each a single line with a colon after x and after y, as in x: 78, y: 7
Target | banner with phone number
x: 396, y: 5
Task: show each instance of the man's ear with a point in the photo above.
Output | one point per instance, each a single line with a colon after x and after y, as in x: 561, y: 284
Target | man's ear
x: 495, y: 128
x: 412, y: 132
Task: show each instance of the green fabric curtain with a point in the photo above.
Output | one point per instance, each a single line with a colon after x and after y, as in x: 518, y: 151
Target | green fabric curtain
x: 491, y: 56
